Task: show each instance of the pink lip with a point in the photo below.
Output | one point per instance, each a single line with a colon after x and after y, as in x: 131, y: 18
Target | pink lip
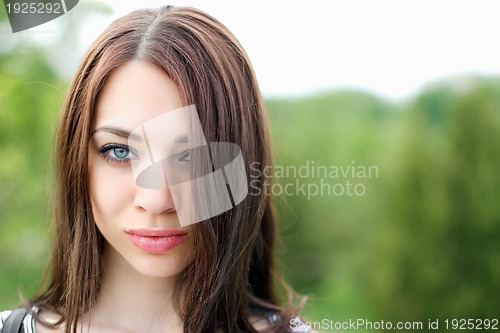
x: 156, y: 240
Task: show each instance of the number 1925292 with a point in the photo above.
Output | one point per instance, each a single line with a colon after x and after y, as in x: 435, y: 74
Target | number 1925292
x: 472, y: 324
x: 33, y: 8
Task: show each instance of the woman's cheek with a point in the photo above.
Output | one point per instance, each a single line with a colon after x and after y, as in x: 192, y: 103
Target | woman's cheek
x: 112, y: 191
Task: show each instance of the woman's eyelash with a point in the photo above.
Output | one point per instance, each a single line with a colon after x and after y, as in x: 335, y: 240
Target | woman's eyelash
x: 110, y: 146
x: 185, y: 156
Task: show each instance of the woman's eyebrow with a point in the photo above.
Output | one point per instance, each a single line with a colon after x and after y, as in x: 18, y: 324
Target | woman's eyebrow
x: 181, y: 139
x: 120, y: 132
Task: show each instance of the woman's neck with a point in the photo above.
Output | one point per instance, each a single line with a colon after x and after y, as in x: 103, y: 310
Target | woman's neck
x: 131, y: 302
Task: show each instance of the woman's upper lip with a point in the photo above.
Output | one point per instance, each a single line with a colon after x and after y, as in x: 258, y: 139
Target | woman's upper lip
x: 145, y: 232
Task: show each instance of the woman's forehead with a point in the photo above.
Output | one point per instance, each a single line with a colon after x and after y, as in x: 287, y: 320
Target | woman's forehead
x: 133, y: 93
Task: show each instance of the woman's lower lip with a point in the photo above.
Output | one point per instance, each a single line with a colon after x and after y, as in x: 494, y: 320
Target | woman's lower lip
x: 156, y: 244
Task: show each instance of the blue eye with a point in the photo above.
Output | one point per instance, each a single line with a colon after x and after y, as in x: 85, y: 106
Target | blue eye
x: 116, y: 153
x: 121, y: 152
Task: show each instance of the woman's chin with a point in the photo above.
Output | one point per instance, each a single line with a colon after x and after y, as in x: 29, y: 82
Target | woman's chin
x: 157, y: 266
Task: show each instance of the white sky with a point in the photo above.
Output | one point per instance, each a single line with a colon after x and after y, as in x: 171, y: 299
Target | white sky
x: 388, y: 47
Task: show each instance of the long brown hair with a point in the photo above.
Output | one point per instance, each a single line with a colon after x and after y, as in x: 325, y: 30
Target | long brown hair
x: 232, y: 274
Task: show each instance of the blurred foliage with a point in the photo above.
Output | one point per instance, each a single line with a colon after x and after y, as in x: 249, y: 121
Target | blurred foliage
x: 29, y: 101
x: 421, y: 242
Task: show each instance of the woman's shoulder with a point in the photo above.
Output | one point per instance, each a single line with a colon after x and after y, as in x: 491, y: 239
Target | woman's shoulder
x: 29, y: 321
x: 22, y: 314
x: 3, y: 317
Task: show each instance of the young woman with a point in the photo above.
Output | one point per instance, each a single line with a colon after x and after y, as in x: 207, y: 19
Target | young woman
x: 123, y: 259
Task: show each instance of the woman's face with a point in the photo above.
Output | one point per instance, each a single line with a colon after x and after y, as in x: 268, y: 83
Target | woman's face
x: 140, y: 225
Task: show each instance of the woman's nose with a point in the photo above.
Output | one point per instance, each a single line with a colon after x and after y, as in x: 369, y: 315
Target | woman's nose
x: 155, y: 201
